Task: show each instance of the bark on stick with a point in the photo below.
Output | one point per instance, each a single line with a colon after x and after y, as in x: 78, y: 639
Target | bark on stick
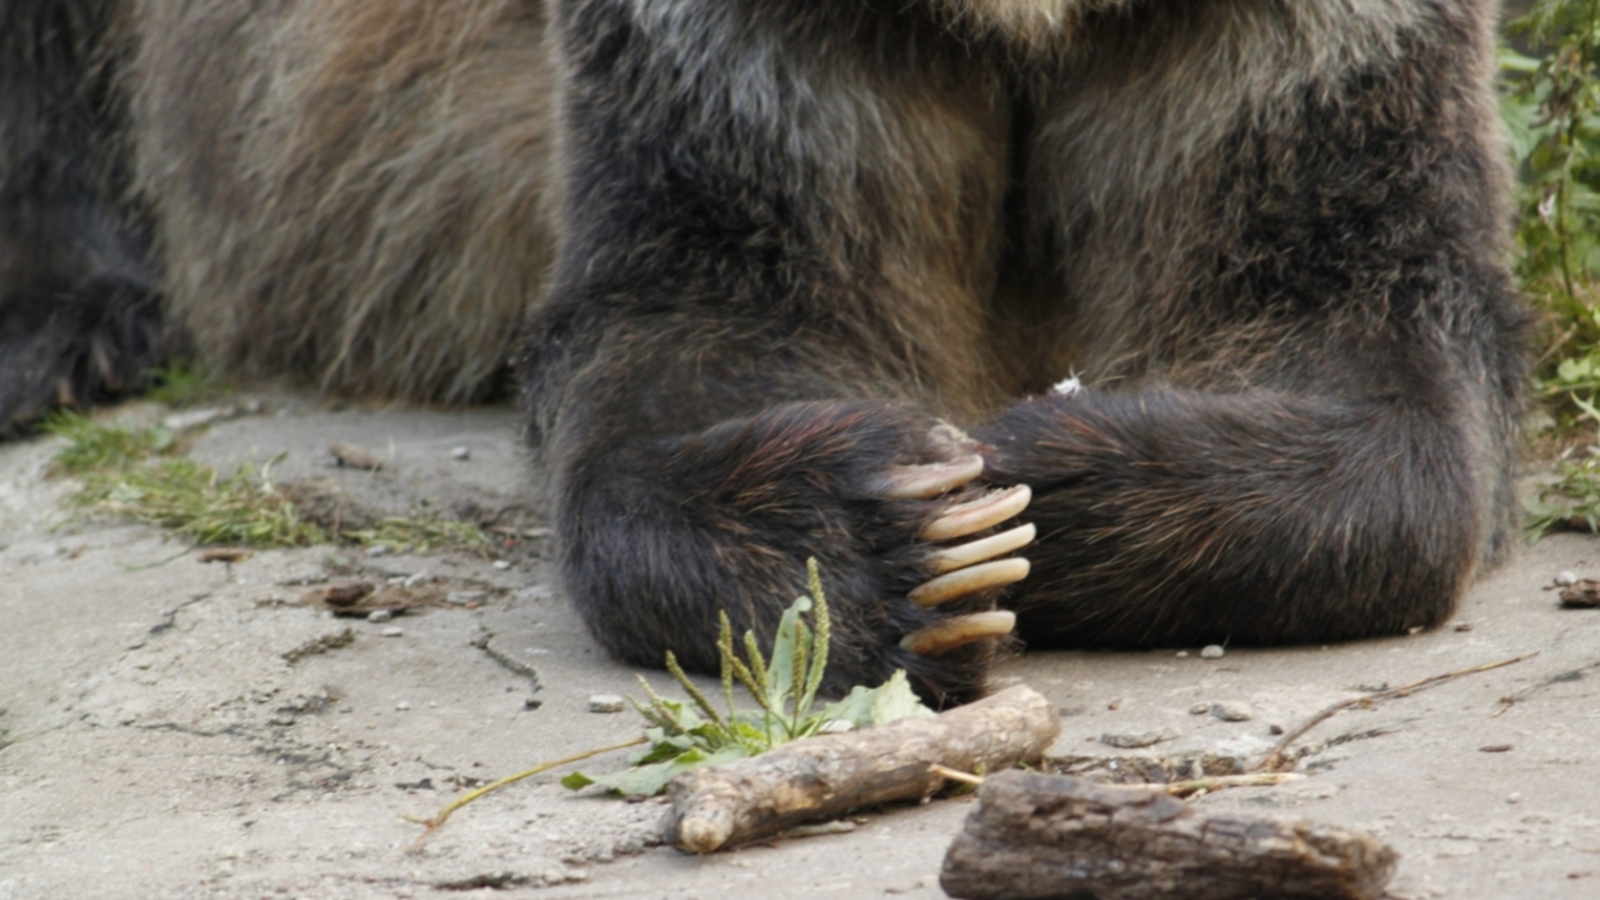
x: 826, y: 776
x: 1056, y: 836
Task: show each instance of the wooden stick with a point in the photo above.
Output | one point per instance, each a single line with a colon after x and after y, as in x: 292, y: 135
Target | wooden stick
x: 1057, y: 836
x: 826, y: 776
x: 1274, y: 759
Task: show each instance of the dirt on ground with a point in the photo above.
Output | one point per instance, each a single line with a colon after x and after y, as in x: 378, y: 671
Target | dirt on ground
x: 172, y: 727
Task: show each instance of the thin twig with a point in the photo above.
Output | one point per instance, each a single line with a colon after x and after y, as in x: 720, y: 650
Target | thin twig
x: 1195, y: 786
x: 949, y: 774
x: 1516, y: 697
x: 1274, y: 759
x: 438, y: 820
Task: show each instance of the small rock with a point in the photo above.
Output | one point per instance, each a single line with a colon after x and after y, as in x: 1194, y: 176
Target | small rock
x: 1464, y: 626
x: 530, y: 704
x: 1183, y: 654
x: 1213, y: 651
x: 393, y: 631
x: 379, y: 615
x: 1566, y: 579
x: 417, y: 580
x: 501, y: 564
x: 402, y: 705
x: 1585, y: 594
x: 1232, y: 712
x: 378, y: 550
x: 461, y: 453
x: 461, y: 598
x: 195, y: 418
x: 356, y: 457
x: 1200, y: 709
x: 1135, y: 741
x: 607, y: 703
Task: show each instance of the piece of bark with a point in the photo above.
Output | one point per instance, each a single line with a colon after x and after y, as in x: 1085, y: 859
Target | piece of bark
x: 1058, y: 836
x: 826, y: 776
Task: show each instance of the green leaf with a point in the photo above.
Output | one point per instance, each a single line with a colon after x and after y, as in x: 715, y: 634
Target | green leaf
x: 895, y: 700
x: 652, y: 779
x: 785, y: 652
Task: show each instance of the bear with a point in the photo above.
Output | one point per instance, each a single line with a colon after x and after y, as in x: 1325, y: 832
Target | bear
x: 1079, y: 323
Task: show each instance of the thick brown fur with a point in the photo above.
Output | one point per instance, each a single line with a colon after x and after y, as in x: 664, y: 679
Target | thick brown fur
x: 348, y: 190
x: 794, y: 236
x: 1267, y: 235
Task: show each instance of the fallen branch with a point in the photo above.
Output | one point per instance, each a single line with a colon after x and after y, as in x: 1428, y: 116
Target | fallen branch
x: 823, y: 777
x: 1274, y: 760
x: 1058, y: 836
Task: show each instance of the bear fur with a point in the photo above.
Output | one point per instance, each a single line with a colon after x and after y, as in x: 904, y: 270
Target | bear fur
x: 762, y: 257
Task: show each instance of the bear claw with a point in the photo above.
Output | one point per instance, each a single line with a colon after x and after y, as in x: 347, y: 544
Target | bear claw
x: 929, y: 481
x: 969, y: 580
x: 973, y: 516
x: 958, y: 631
x: 960, y: 556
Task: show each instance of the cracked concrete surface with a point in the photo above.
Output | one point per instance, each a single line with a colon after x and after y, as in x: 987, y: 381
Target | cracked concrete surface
x: 173, y: 728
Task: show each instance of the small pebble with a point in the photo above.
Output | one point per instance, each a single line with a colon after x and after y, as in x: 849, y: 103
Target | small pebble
x: 1213, y: 651
x: 1135, y: 741
x: 379, y: 615
x: 402, y: 706
x: 607, y: 703
x: 502, y: 565
x: 461, y: 453
x: 531, y: 704
x: 1274, y: 729
x: 1567, y: 579
x: 460, y: 598
x: 377, y: 550
x: 393, y: 631
x: 1232, y: 712
x: 1183, y: 654
x: 1464, y: 626
x: 1514, y: 797
x: 1200, y: 709
x: 417, y: 580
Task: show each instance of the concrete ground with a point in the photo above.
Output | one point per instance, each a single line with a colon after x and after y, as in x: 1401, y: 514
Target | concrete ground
x: 173, y: 728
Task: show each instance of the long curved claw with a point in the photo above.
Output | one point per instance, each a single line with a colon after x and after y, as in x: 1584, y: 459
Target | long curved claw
x: 928, y: 481
x: 984, y: 549
x: 975, y: 515
x: 969, y: 580
x: 957, y: 631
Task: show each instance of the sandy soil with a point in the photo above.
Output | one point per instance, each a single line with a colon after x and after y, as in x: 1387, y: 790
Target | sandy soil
x: 172, y: 728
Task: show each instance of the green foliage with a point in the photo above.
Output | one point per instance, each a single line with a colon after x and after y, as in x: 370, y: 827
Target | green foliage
x: 138, y: 474
x: 179, y: 385
x: 1551, y: 108
x: 95, y: 447
x: 684, y: 734
x: 196, y: 501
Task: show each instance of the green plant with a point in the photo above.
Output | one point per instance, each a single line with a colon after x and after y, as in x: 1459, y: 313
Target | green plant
x: 1551, y: 109
x: 685, y: 734
x: 138, y: 474
x: 91, y: 446
x: 180, y: 385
